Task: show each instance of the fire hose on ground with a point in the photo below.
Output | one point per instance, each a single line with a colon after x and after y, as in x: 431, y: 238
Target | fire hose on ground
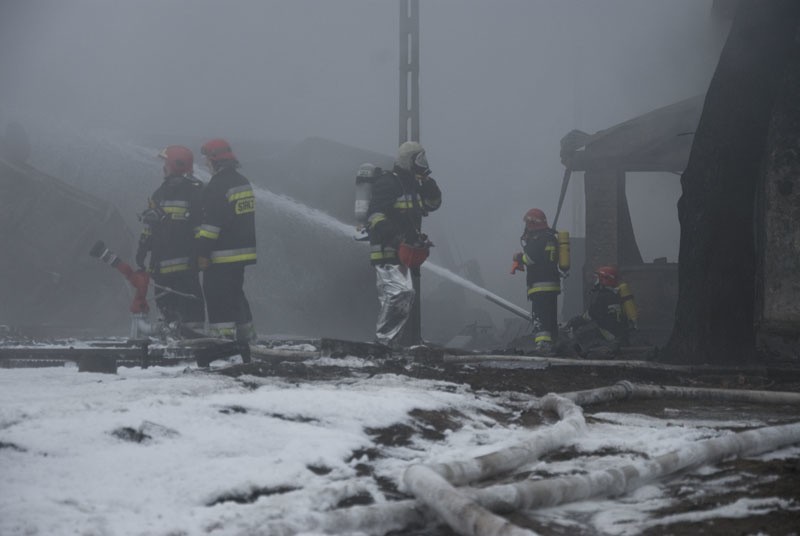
x: 470, y: 511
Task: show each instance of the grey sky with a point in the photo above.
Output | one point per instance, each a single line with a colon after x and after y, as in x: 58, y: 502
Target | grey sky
x: 501, y: 82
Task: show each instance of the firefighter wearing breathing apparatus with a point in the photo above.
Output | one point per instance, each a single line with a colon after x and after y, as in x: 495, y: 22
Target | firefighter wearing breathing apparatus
x: 226, y: 244
x: 167, y: 236
x: 611, y: 316
x: 545, y: 258
x: 399, y: 201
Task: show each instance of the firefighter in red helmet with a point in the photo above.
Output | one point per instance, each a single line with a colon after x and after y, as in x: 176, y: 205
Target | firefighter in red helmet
x: 226, y: 244
x: 173, y: 213
x: 400, y: 199
x: 539, y: 258
x: 610, y: 317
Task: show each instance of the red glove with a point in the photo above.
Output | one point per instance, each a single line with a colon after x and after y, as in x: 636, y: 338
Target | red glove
x: 519, y: 264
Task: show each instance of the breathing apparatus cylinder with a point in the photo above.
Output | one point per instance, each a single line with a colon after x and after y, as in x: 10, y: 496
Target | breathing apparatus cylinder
x: 628, y: 305
x: 563, y: 250
x: 365, y: 178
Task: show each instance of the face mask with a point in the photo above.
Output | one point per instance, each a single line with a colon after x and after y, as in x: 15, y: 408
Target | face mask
x: 421, y: 165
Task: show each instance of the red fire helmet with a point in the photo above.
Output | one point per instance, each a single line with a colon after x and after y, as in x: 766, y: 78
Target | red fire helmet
x: 217, y: 149
x: 178, y: 160
x: 535, y: 220
x: 607, y: 276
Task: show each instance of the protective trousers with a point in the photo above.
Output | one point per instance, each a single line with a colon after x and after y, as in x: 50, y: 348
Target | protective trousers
x: 396, y: 295
x: 591, y: 338
x: 180, y: 299
x: 544, y: 307
x: 229, y: 313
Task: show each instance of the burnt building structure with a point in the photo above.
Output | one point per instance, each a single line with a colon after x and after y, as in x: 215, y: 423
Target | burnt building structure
x: 659, y: 141
x: 48, y: 283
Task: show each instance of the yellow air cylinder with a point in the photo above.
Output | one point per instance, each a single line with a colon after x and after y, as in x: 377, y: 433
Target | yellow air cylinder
x: 563, y: 250
x: 628, y: 305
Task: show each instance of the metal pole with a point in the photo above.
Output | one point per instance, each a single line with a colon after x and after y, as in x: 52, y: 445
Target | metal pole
x: 409, y: 130
x: 409, y: 71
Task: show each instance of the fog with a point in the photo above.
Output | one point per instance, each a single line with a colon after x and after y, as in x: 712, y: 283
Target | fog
x: 500, y: 83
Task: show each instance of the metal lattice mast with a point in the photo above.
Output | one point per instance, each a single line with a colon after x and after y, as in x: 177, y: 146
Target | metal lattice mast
x: 409, y: 71
x: 409, y: 129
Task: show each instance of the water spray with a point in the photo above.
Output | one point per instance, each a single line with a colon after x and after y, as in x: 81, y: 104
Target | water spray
x: 288, y: 204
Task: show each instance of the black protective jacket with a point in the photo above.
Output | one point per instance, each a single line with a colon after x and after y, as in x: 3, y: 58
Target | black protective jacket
x: 174, y: 213
x: 399, y: 202
x: 605, y: 308
x: 227, y: 233
x: 541, y: 261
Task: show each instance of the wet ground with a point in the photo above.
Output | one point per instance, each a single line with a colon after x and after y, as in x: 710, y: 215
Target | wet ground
x: 733, y: 482
x: 770, y: 485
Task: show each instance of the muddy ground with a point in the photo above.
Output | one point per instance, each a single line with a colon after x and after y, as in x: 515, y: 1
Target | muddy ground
x: 775, y: 478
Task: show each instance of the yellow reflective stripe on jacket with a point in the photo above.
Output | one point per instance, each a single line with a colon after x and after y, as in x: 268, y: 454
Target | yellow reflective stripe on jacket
x: 551, y: 251
x: 404, y: 202
x: 222, y: 329
x: 375, y: 219
x: 240, y: 192
x: 544, y: 286
x: 173, y: 265
x: 176, y: 213
x: 379, y: 253
x: 174, y: 268
x: 607, y: 335
x: 207, y: 231
x: 543, y: 336
x: 233, y: 255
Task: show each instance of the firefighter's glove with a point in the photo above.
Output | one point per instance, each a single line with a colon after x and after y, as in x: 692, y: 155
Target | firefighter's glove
x: 153, y: 216
x: 203, y: 263
x: 519, y: 263
x: 424, y: 241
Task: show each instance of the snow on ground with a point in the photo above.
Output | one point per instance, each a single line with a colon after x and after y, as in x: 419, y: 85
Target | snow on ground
x: 174, y: 450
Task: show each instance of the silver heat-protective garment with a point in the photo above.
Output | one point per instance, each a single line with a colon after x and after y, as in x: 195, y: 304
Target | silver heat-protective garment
x: 396, y: 295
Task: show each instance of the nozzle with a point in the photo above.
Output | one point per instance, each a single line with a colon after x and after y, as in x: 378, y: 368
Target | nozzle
x: 100, y: 251
x: 97, y: 249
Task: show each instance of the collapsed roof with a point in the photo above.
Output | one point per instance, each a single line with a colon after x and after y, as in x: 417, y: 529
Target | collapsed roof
x: 656, y: 141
